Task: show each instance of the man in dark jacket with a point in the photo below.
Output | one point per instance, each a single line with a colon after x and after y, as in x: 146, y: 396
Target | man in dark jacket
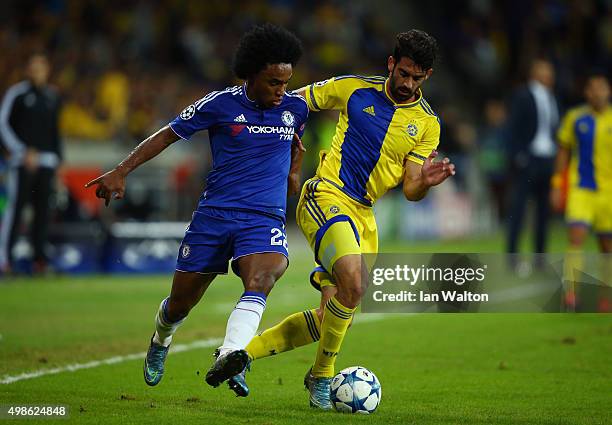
x: 29, y: 131
x: 534, y: 115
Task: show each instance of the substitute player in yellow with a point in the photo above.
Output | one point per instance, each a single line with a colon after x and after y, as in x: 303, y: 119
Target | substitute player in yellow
x: 386, y: 135
x: 585, y: 139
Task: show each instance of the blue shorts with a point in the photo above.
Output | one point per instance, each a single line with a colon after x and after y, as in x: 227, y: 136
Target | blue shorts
x: 216, y: 235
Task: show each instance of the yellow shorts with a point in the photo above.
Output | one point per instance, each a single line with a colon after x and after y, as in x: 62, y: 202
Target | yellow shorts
x: 334, y: 225
x: 590, y: 208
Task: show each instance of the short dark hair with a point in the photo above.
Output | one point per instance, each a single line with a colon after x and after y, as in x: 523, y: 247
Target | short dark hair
x: 417, y: 45
x: 264, y: 45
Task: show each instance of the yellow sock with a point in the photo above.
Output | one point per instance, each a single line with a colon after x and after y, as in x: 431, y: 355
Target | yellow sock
x: 294, y: 331
x: 336, y: 320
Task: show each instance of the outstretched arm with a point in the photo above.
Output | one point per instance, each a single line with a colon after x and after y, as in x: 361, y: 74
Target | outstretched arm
x: 301, y: 92
x: 419, y: 178
x: 111, y: 185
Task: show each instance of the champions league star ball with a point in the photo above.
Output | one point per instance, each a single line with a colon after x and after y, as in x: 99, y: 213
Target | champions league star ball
x: 355, y: 390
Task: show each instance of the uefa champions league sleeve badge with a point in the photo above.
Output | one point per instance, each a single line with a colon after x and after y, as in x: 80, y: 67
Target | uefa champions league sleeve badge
x: 188, y: 112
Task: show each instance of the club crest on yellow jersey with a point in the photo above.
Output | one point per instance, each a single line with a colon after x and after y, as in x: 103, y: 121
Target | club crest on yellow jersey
x: 412, y: 128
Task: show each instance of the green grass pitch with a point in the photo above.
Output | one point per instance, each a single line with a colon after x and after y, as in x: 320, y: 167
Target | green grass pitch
x: 434, y: 368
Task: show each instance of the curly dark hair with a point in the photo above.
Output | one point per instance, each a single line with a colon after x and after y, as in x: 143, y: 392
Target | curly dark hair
x: 417, y: 45
x: 263, y: 45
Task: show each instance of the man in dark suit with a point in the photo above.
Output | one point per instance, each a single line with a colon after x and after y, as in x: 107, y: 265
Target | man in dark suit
x: 29, y: 131
x: 534, y: 115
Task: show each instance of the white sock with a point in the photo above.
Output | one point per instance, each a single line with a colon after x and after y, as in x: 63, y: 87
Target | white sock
x: 244, y: 321
x: 164, y: 328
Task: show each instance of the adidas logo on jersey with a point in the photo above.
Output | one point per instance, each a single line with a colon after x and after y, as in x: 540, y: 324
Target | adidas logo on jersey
x: 240, y: 118
x: 369, y: 110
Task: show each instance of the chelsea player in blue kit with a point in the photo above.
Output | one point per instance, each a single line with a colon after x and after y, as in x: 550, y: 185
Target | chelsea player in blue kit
x: 241, y: 214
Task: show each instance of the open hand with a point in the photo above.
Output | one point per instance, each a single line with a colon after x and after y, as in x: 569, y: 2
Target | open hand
x: 433, y: 173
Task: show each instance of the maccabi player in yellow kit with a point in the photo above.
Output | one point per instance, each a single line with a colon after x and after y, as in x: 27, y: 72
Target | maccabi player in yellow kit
x: 386, y: 135
x: 585, y: 139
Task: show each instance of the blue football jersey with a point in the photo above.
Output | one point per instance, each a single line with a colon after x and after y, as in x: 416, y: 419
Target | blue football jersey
x: 251, y: 148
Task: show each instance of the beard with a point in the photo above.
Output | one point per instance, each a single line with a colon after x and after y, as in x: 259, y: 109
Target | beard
x: 402, y: 95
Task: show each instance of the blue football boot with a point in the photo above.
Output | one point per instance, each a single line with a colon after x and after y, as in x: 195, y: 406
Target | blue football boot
x: 237, y: 383
x: 154, y: 363
x: 226, y: 366
x: 320, y: 391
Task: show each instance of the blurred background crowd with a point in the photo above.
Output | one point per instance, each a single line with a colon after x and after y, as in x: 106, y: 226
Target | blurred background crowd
x: 125, y: 68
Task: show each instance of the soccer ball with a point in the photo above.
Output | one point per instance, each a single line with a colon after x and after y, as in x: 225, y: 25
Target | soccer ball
x: 355, y: 390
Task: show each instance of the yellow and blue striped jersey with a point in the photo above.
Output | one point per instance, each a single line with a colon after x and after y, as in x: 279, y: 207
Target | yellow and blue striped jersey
x: 374, y: 135
x: 589, y: 136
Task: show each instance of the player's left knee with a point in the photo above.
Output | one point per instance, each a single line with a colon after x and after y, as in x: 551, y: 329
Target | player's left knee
x: 351, y: 296
x: 261, y: 281
x: 350, y: 283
